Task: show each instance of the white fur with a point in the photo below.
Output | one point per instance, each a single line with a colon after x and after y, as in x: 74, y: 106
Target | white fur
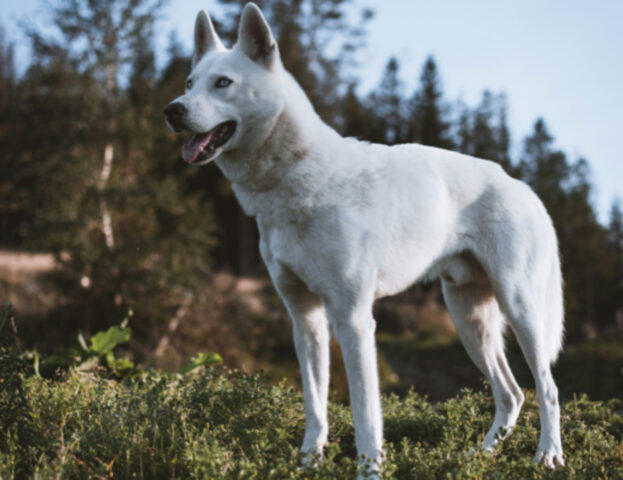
x: 343, y: 222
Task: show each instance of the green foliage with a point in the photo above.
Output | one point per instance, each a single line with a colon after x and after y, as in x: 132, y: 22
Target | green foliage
x: 8, y: 333
x: 203, y: 359
x: 104, y: 342
x: 227, y: 425
x: 99, y: 356
x: 96, y: 356
x: 90, y: 169
x: 15, y: 426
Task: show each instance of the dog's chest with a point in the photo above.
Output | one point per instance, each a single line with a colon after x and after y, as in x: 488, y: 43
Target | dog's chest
x: 284, y: 241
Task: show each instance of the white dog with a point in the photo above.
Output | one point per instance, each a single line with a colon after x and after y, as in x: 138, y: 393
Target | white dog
x: 343, y: 222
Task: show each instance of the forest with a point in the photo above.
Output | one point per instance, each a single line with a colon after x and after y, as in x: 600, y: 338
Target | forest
x: 91, y: 180
x: 91, y: 174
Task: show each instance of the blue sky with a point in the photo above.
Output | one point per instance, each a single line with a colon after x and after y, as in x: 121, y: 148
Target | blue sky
x: 559, y: 59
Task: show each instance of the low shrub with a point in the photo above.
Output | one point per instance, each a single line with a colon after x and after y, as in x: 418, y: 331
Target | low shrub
x: 215, y: 423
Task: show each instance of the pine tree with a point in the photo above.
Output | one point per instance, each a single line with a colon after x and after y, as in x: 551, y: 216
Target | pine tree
x: 483, y: 131
x: 428, y: 114
x: 10, y: 202
x: 387, y: 106
x: 490, y: 136
x: 566, y: 189
x: 546, y: 171
x: 356, y: 118
x: 614, y: 281
x: 7, y: 70
x: 503, y: 137
x: 463, y: 128
x: 586, y: 248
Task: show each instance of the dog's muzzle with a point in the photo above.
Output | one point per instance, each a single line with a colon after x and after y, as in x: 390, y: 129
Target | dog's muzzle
x: 174, y: 113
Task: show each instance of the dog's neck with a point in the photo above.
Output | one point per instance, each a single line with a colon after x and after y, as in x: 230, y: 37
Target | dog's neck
x: 258, y: 170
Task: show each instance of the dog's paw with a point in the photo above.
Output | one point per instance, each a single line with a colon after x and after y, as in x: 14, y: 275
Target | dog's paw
x: 550, y: 458
x: 311, y: 460
x: 313, y: 457
x: 496, y: 435
x: 370, y: 467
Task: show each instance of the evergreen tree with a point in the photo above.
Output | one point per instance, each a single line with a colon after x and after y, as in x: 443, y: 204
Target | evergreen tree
x: 614, y: 281
x: 11, y: 208
x: 463, y: 128
x: 387, y: 106
x: 356, y: 117
x: 566, y: 192
x: 586, y: 248
x: 428, y: 114
x: 483, y: 132
x: 546, y: 171
x: 7, y: 70
x: 503, y: 137
x: 490, y: 133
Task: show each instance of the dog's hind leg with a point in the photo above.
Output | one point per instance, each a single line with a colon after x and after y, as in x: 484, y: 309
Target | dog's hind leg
x: 479, y: 323
x: 525, y: 314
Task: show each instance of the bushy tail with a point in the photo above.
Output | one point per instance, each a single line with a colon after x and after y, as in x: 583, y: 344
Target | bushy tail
x: 555, y: 305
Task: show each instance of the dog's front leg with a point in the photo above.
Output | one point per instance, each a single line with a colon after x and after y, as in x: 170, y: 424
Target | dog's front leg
x: 311, y: 341
x: 351, y: 317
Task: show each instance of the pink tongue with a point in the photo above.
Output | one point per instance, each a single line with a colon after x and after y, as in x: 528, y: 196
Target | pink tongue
x: 192, y: 149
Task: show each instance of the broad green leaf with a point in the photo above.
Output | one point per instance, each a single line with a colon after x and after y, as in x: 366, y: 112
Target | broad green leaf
x: 202, y: 359
x: 103, y: 342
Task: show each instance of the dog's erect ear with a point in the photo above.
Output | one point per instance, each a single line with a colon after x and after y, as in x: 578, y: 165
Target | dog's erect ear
x: 206, y: 38
x: 255, y: 38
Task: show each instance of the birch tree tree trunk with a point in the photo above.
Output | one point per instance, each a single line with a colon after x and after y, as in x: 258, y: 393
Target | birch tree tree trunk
x: 104, y: 211
x: 109, y: 153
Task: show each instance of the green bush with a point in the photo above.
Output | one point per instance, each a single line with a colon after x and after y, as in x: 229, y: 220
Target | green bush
x: 212, y: 423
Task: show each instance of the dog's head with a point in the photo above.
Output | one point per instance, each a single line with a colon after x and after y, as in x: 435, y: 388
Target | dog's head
x: 231, y: 94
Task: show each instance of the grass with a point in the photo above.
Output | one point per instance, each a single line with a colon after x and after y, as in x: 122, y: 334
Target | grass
x: 214, y: 423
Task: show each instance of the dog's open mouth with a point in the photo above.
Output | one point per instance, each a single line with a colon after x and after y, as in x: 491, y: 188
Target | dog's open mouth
x: 203, y: 146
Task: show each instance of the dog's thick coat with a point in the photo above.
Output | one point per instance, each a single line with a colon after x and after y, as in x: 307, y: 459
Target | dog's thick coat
x: 343, y: 222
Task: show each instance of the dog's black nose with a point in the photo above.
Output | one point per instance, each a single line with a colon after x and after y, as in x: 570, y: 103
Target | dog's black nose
x: 175, y: 110
x: 175, y: 113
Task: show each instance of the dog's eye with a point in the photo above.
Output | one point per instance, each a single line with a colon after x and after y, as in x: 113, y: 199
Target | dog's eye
x: 189, y: 84
x: 223, y: 82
